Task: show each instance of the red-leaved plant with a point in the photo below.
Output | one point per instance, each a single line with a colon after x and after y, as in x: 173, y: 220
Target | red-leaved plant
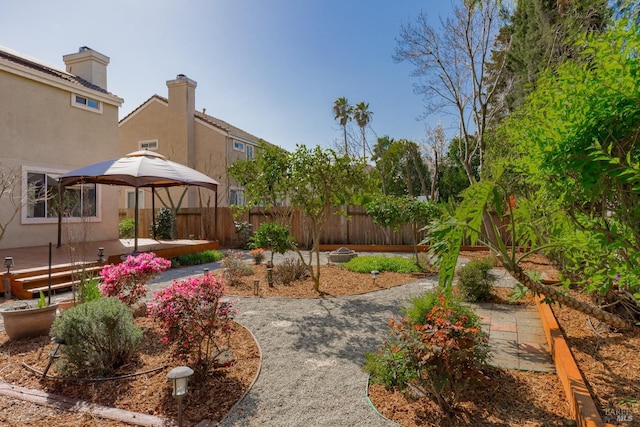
x: 193, y: 314
x: 448, y: 352
x: 127, y: 280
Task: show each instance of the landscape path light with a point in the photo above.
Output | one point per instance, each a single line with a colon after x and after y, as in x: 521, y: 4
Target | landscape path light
x: 8, y: 264
x: 374, y: 275
x: 6, y: 281
x: 179, y: 377
x: 100, y: 254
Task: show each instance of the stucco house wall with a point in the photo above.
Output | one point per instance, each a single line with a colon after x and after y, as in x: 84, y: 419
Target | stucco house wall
x: 173, y: 127
x: 53, y: 121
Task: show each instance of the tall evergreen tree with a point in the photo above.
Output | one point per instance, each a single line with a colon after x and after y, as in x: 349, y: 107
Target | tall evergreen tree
x: 540, y: 35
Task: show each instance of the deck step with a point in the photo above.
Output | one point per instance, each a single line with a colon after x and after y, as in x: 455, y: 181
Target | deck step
x: 54, y: 287
x: 57, y: 275
x: 29, y: 284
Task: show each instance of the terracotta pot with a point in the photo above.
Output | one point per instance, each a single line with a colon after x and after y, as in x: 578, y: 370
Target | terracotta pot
x: 67, y: 304
x: 28, y: 322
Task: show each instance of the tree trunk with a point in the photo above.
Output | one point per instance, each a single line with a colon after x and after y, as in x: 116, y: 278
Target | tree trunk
x: 434, y: 181
x: 421, y: 177
x: 346, y: 144
x: 583, y: 307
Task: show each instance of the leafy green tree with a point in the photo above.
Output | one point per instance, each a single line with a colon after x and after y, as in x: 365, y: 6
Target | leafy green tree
x: 272, y: 236
x: 362, y: 116
x: 577, y: 142
x: 320, y: 180
x: 264, y: 180
x: 401, y: 167
x: 343, y: 112
x: 312, y: 180
x: 384, y: 162
x: 394, y: 211
x: 575, y: 147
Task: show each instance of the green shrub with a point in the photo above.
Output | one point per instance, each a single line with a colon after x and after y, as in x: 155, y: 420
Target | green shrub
x: 126, y: 228
x: 475, y: 280
x: 367, y: 264
x: 99, y: 337
x: 89, y: 289
x: 198, y: 258
x: 390, y: 365
x: 234, y: 268
x: 164, y: 224
x: 273, y: 237
x: 421, y: 306
x: 442, y: 355
x: 289, y: 271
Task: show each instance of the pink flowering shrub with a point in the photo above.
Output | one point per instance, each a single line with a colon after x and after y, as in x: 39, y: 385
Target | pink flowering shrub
x: 127, y: 280
x: 194, y: 316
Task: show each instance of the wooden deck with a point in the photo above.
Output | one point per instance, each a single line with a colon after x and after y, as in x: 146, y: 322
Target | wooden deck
x: 32, y: 263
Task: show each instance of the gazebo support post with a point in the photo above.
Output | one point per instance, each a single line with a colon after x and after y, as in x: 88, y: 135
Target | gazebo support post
x: 135, y: 223
x: 153, y: 211
x: 60, y: 200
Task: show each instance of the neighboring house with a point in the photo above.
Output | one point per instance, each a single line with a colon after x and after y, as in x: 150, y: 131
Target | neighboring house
x: 172, y: 127
x: 53, y: 121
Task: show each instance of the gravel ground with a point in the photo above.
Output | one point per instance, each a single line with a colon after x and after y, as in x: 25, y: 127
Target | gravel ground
x: 312, y: 357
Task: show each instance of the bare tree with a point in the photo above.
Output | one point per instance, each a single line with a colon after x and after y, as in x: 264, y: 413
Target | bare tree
x: 10, y: 198
x: 451, y: 65
x: 437, y: 144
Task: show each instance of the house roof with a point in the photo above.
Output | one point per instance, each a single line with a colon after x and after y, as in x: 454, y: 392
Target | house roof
x: 213, y: 121
x: 27, y: 61
x: 226, y: 126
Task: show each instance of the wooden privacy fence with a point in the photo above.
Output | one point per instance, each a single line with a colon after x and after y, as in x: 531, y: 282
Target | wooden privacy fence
x: 357, y: 228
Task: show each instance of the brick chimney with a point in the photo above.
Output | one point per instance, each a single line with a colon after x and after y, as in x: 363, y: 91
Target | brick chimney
x: 88, y: 65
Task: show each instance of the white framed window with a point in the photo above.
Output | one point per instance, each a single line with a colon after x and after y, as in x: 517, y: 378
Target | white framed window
x: 236, y: 197
x: 238, y: 146
x: 86, y: 103
x: 249, y: 151
x: 42, y: 195
x: 131, y: 199
x: 151, y: 145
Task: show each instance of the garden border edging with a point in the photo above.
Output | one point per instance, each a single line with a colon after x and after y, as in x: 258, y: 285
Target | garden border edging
x: 581, y: 404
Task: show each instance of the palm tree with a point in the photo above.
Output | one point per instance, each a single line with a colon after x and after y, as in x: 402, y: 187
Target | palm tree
x: 362, y: 116
x: 342, y: 111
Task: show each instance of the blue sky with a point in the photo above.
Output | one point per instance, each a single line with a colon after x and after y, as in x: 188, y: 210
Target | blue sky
x: 270, y: 67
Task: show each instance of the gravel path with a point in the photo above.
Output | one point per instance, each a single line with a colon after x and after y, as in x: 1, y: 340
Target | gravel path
x: 312, y: 357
